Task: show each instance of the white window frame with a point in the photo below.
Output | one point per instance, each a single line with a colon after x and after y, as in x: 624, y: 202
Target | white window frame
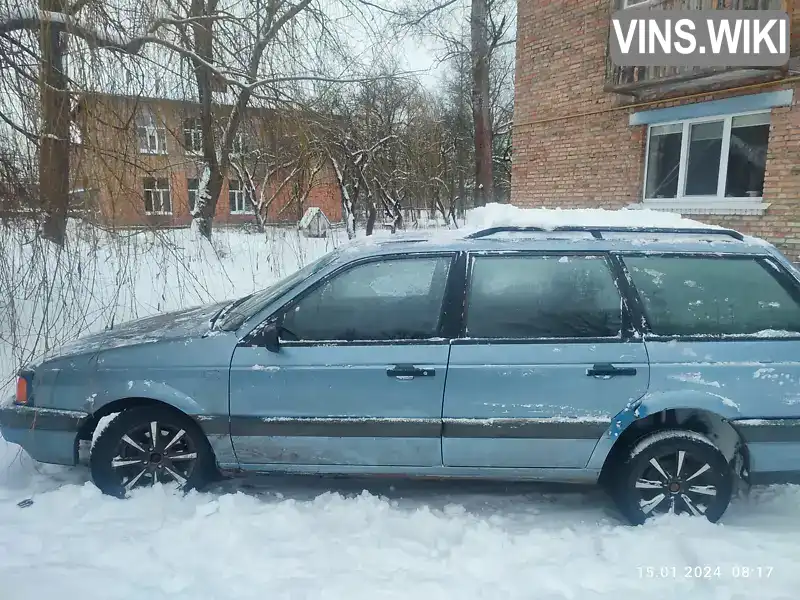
x: 240, y: 197
x: 148, y: 124
x: 160, y: 194
x: 719, y: 203
x: 626, y: 4
x: 195, y: 133
x: 189, y: 190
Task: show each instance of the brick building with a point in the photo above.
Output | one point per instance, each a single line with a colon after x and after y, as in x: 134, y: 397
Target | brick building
x: 719, y: 146
x: 137, y: 163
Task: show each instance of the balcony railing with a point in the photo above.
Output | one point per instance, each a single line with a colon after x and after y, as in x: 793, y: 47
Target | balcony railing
x: 638, y: 81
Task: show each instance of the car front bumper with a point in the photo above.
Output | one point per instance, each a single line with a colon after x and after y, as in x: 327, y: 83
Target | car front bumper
x: 48, y: 435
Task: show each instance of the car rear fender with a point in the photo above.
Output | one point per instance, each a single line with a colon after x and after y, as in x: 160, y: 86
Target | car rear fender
x: 711, y: 406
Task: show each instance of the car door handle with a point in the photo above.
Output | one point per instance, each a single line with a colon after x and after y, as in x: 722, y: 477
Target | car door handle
x: 409, y: 372
x: 605, y: 371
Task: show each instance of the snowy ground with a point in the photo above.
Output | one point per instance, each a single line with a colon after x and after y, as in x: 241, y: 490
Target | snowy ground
x: 295, y: 538
x: 298, y: 539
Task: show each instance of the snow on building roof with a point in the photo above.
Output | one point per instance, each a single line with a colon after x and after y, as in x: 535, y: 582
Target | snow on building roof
x: 309, y: 216
x: 506, y: 215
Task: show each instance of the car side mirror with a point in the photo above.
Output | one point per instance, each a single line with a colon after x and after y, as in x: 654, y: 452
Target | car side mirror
x: 270, y: 338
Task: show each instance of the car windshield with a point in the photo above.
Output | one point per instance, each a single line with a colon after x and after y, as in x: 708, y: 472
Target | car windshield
x: 255, y: 302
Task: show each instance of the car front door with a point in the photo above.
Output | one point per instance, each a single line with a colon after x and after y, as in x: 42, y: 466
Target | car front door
x: 546, y: 361
x: 358, y: 377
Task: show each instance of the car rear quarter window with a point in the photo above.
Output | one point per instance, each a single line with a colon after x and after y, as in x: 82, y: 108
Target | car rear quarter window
x: 542, y: 297
x: 713, y: 296
x: 391, y: 299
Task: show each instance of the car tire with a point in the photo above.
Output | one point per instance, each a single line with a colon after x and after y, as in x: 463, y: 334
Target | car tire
x: 123, y: 456
x: 674, y: 470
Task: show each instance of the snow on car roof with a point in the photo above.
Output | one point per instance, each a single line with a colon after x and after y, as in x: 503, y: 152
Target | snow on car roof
x: 508, y: 222
x: 506, y: 215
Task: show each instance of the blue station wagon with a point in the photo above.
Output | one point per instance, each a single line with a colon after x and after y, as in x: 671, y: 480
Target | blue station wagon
x: 659, y: 363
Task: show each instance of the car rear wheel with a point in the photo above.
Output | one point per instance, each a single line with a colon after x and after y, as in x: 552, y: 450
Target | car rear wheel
x: 674, y: 471
x: 147, y: 445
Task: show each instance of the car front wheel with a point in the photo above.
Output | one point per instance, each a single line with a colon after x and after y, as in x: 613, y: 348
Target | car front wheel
x: 674, y: 471
x: 147, y: 445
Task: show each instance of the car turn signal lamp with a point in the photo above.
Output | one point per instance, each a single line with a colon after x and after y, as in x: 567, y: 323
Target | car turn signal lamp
x: 23, y: 396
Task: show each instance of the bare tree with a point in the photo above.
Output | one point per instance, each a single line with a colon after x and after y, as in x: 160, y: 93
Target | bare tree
x: 458, y: 147
x: 352, y: 163
x: 479, y: 31
x: 269, y: 18
x: 281, y: 169
x: 391, y: 146
x: 501, y: 71
x: 490, y: 27
x: 34, y: 43
x: 44, y: 39
x: 373, y: 132
x: 233, y: 52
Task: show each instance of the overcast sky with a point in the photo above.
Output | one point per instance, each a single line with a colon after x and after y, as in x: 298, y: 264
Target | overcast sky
x: 421, y: 53
x: 413, y: 53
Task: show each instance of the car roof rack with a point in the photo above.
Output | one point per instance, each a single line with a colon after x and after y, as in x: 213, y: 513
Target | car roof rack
x: 597, y: 231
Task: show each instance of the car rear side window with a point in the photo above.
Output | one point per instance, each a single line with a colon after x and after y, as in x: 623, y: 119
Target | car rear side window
x: 712, y: 296
x: 542, y: 297
x: 391, y: 299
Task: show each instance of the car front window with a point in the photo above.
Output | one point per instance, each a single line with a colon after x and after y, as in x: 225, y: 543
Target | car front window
x: 384, y: 300
x: 240, y: 313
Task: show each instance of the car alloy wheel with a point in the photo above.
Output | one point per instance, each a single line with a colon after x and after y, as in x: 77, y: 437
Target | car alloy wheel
x: 674, y: 471
x: 146, y: 445
x: 154, y: 452
x: 676, y: 483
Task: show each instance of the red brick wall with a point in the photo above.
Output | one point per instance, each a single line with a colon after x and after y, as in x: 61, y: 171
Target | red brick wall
x: 324, y: 194
x: 110, y: 161
x: 597, y: 160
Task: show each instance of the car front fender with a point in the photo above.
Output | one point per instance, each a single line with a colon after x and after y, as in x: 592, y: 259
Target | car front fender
x: 143, y: 388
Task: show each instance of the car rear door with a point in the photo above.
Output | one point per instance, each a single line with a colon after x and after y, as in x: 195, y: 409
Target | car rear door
x: 546, y: 360
x: 359, y: 376
x: 723, y: 336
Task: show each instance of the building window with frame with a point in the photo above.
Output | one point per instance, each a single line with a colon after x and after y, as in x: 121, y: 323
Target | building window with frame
x: 193, y: 186
x: 151, y: 133
x: 707, y: 160
x: 157, y: 200
x: 192, y: 136
x: 237, y: 197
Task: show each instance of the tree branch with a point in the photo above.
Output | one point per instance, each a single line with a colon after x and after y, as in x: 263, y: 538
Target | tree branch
x: 383, y: 9
x: 77, y: 6
x: 273, y: 80
x: 33, y: 21
x: 31, y: 137
x: 425, y: 14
